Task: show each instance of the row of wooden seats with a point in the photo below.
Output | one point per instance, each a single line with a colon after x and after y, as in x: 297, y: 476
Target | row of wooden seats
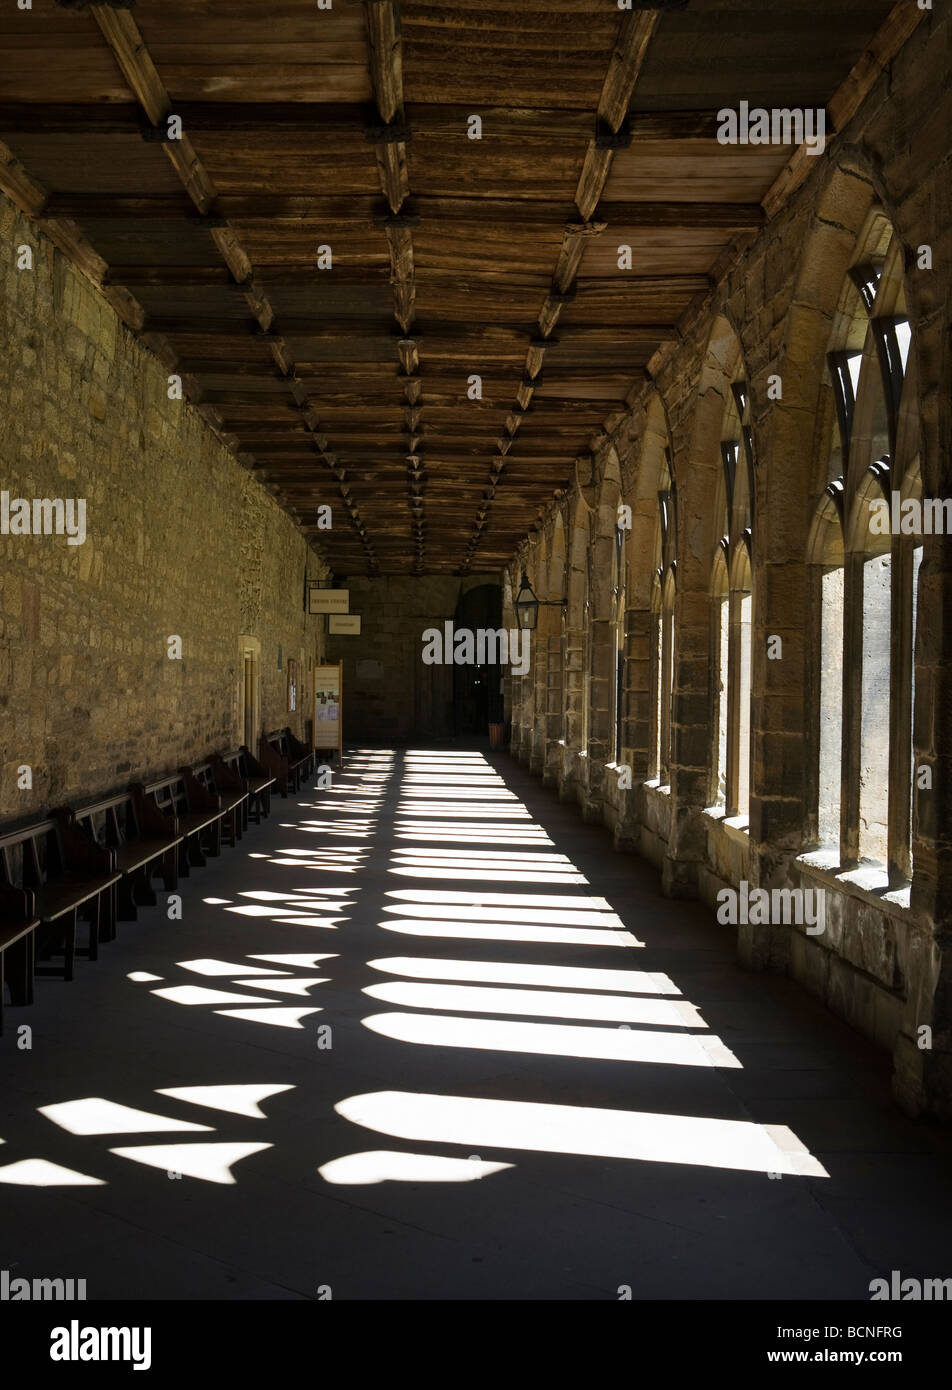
x: 51, y: 873
x: 99, y: 861
x: 289, y: 761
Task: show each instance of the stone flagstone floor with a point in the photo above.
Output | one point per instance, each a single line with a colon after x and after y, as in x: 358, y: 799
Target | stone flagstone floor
x: 426, y: 1036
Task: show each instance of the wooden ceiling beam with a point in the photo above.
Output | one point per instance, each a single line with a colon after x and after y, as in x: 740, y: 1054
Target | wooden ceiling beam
x: 125, y: 40
x: 359, y: 402
x: 631, y: 46
x: 386, y: 56
x: 898, y: 26
x: 325, y: 379
x: 122, y: 35
x: 386, y: 75
x: 535, y: 216
x: 31, y: 198
x: 463, y: 289
x: 624, y: 68
x: 302, y: 446
x: 354, y: 413
x: 210, y: 120
x: 498, y: 341
x: 400, y: 243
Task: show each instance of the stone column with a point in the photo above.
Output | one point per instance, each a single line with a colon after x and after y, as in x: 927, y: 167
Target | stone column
x: 554, y: 713
x: 573, y: 693
x: 780, y: 747
x: 636, y: 730
x: 602, y: 677
x: 697, y: 466
x: 922, y: 1079
x: 521, y: 717
x: 539, y: 647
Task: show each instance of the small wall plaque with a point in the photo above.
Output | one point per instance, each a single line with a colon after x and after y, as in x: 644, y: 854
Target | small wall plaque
x: 328, y: 600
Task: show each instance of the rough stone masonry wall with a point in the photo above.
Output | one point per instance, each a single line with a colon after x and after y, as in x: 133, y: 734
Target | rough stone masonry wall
x: 886, y: 966
x: 388, y: 692
x: 181, y: 541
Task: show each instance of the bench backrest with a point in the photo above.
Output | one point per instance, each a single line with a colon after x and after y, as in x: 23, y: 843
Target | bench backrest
x: 110, y: 822
x: 169, y: 795
x: 249, y: 765
x: 42, y: 850
x: 31, y: 855
x: 299, y: 749
x: 47, y: 849
x: 203, y: 774
x: 270, y: 748
x: 284, y: 742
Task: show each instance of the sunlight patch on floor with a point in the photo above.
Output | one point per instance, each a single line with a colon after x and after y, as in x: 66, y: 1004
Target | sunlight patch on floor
x: 604, y: 1008
x: 388, y: 1165
x: 622, y: 1044
x: 509, y: 973
x: 584, y: 1130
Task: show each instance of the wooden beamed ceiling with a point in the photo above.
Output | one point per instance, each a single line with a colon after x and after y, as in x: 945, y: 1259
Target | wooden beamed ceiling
x: 451, y: 257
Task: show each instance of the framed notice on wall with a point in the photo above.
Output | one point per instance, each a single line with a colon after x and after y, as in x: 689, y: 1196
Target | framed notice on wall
x: 321, y: 600
x: 344, y: 624
x: 328, y: 712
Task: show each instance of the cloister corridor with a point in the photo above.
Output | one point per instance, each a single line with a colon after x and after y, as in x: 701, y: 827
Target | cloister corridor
x: 424, y: 1035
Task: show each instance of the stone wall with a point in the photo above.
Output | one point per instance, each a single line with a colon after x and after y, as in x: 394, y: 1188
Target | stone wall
x: 181, y: 541
x: 388, y: 692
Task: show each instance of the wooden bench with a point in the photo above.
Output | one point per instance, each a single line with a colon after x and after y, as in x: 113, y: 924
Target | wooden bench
x: 67, y: 873
x: 190, y: 812
x: 257, y: 781
x: 18, y: 924
x: 144, y: 844
x: 290, y: 760
x: 275, y: 765
x: 217, y: 779
x: 300, y: 755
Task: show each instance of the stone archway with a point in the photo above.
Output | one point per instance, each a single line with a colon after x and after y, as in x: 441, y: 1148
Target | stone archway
x: 698, y: 467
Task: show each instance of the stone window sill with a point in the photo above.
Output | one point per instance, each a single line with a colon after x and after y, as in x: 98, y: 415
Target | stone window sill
x: 737, y: 827
x: 868, y: 881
